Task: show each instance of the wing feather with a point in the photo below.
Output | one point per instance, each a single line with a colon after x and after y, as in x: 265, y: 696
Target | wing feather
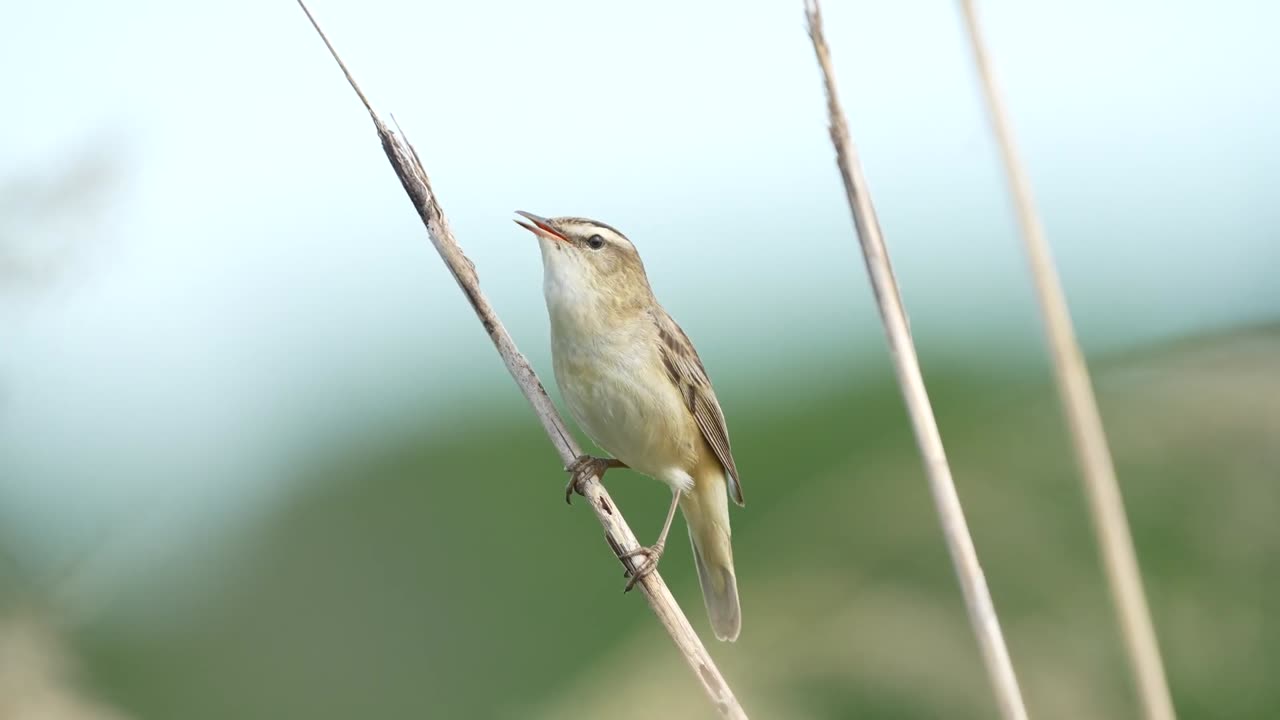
x: 690, y: 377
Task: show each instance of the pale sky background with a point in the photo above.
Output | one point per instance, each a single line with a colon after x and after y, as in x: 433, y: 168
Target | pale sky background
x: 252, y: 280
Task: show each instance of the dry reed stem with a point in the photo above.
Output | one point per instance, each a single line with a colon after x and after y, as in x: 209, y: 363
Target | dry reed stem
x: 405, y: 162
x: 1080, y: 407
x: 955, y: 530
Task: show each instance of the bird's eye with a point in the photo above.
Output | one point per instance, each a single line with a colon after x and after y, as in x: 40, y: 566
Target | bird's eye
x: 595, y: 242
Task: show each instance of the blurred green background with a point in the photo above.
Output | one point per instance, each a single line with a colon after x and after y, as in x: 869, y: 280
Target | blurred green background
x: 258, y: 460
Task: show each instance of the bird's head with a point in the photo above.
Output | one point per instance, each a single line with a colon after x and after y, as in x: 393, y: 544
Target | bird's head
x: 588, y: 262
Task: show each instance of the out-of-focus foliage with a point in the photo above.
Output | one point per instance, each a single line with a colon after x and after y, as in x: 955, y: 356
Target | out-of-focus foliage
x: 37, y: 672
x: 49, y: 216
x: 442, y: 576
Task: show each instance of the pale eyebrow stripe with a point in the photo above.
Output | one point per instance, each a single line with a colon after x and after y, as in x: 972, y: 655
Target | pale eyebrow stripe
x: 595, y: 223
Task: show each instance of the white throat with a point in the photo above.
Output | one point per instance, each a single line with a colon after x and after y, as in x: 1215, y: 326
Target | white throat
x: 573, y: 302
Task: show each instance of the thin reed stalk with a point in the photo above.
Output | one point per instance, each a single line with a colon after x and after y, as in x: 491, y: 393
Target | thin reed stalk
x: 982, y: 614
x: 1079, y: 407
x: 404, y: 160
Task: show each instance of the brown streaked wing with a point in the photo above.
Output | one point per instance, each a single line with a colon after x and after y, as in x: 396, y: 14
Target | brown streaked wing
x: 690, y: 377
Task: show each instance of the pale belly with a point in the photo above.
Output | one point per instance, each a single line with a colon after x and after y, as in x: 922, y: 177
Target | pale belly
x: 628, y: 406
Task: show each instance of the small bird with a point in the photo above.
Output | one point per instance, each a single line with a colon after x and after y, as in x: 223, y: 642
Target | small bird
x: 634, y: 383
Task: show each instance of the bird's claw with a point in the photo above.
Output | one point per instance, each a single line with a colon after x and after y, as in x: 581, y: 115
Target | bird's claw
x: 582, y: 469
x: 652, y: 555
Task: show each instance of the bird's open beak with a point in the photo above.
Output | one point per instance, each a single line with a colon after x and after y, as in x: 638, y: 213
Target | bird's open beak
x: 541, y: 227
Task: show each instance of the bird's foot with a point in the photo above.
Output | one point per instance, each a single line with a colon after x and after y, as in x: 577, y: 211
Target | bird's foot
x: 582, y: 469
x: 652, y: 555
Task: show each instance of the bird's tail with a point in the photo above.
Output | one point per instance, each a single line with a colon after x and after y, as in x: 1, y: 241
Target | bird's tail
x: 706, y: 512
